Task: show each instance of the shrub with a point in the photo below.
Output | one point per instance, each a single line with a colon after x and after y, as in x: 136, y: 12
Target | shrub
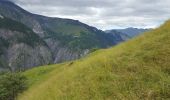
x: 11, y: 84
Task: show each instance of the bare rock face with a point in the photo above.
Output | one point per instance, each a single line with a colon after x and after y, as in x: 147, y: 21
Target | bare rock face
x: 21, y: 56
x: 60, y: 53
x: 64, y: 54
x: 18, y: 55
x: 1, y: 17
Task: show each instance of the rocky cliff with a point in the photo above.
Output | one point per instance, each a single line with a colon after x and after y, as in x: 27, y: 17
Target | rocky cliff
x: 20, y: 47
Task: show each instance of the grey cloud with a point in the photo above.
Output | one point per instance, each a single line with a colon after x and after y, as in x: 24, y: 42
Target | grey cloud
x: 104, y: 14
x: 52, y: 10
x: 71, y: 3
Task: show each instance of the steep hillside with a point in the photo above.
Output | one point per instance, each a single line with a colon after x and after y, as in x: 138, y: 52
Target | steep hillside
x: 67, y: 39
x: 135, y: 70
x: 20, y: 47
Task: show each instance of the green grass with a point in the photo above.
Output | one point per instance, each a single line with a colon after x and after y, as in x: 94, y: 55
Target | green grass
x: 37, y: 75
x: 136, y: 70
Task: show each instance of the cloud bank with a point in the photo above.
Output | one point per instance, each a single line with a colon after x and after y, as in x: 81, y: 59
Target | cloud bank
x: 104, y: 14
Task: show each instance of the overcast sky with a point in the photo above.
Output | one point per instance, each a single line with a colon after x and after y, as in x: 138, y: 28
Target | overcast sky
x: 104, y: 14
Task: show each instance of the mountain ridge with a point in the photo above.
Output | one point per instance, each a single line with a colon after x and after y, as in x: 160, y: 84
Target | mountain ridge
x: 129, y: 32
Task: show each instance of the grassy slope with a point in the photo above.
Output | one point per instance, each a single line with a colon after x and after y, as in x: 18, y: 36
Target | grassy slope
x: 137, y: 69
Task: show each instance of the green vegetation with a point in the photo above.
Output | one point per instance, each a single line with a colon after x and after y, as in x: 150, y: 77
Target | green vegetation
x: 13, y: 25
x: 75, y: 35
x: 68, y: 28
x: 84, y: 40
x: 136, y: 70
x: 11, y: 85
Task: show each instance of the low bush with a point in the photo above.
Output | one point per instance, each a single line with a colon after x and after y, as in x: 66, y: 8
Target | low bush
x: 11, y: 84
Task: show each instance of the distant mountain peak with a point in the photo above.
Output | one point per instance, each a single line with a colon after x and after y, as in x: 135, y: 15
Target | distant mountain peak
x: 135, y: 28
x: 132, y: 28
x: 129, y: 32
